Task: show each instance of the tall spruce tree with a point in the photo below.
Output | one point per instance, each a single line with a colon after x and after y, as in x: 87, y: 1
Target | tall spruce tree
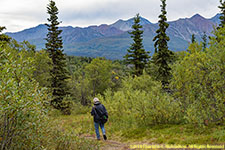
x: 54, y: 47
x: 222, y: 17
x: 163, y: 56
x: 136, y: 53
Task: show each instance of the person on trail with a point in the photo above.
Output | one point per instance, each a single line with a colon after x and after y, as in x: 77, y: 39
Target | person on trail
x: 98, y: 112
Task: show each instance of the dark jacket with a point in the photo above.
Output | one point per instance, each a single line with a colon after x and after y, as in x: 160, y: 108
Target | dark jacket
x: 100, y: 108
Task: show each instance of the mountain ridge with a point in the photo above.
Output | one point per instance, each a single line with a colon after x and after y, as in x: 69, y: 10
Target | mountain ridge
x: 112, y: 41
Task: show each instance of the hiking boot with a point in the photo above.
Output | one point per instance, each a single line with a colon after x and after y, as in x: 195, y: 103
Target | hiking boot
x: 105, y: 137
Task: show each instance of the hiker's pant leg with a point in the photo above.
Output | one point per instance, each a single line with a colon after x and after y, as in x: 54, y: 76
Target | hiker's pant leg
x: 102, y: 128
x: 97, y: 130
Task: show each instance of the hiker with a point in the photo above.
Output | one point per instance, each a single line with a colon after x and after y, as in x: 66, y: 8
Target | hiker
x: 100, y: 117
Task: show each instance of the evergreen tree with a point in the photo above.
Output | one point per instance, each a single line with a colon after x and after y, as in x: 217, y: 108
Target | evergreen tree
x: 193, y: 39
x: 136, y: 53
x: 54, y: 47
x: 163, y: 56
x: 204, y: 43
x: 222, y: 17
x: 3, y: 37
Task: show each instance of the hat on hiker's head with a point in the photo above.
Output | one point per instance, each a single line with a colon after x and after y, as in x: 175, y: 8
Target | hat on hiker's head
x: 96, y: 100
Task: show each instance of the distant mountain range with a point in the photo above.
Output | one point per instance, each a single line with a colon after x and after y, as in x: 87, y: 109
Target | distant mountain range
x: 112, y: 41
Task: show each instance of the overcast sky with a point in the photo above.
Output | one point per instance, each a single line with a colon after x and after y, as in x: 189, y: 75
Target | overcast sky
x: 17, y: 15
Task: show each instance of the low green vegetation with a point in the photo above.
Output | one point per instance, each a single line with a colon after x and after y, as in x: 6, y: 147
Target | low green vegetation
x: 183, y: 134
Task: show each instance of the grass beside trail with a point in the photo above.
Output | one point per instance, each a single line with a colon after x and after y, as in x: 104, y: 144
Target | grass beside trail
x: 82, y: 124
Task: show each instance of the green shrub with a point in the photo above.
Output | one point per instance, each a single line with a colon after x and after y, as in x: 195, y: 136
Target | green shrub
x: 140, y: 102
x: 80, y: 109
x: 198, y: 82
x: 22, y: 115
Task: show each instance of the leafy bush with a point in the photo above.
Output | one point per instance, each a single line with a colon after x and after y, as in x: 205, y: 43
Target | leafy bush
x: 98, y: 73
x: 80, y: 109
x: 90, y: 79
x: 140, y: 102
x: 22, y: 117
x: 198, y: 82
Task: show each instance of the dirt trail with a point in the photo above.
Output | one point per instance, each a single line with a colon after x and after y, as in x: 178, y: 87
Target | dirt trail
x: 115, y: 145
x: 109, y: 144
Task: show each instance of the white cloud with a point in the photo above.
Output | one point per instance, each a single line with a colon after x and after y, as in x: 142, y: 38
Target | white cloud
x: 20, y: 14
x: 187, y: 8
